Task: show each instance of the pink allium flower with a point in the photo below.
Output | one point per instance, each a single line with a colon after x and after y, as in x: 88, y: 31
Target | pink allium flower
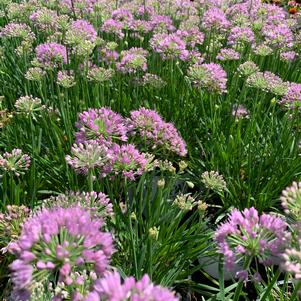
x: 228, y: 54
x: 292, y: 99
x: 97, y: 203
x: 241, y: 35
x: 51, y: 54
x: 215, y: 18
x: 122, y: 15
x: 162, y: 22
x: 83, y: 31
x: 279, y: 36
x: 169, y: 46
x: 191, y: 36
x: 246, y: 234
x: 102, y: 125
x: 156, y: 132
x: 133, y: 60
x: 15, y: 162
x: 88, y: 156
x: 240, y: 112
x: 17, y: 30
x: 291, y: 201
x: 127, y: 160
x: 61, y: 241
x: 114, y: 27
x: 288, y: 56
x: 111, y: 288
x: 211, y: 76
x: 44, y: 19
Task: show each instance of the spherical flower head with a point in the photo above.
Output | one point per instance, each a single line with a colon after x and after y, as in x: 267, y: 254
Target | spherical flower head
x: 240, y: 35
x: 111, y: 288
x: 278, y: 36
x: 65, y: 79
x: 44, y: 19
x: 291, y: 201
x: 247, y: 68
x: 51, y: 54
x: 292, y: 259
x: 292, y: 98
x: 97, y: 203
x: 99, y: 74
x: 81, y: 31
x: 17, y: 30
x: 191, y: 36
x: 169, y: 46
x: 133, y: 60
x: 156, y: 132
x: 240, y: 112
x: 127, y: 160
x: 288, y: 56
x: 262, y: 50
x: 267, y: 81
x: 29, y: 106
x: 88, y: 156
x: 122, y: 15
x: 228, y: 54
x: 184, y: 201
x: 214, y: 181
x: 35, y: 74
x: 210, y: 76
x: 246, y: 234
x: 112, y: 26
x: 162, y: 23
x: 11, y: 223
x: 102, y: 125
x: 60, y: 241
x: 153, y: 81
x: 15, y: 162
x: 215, y: 18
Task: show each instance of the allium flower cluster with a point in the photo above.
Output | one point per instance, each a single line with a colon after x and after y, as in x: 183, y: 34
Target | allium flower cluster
x: 112, y: 26
x: 192, y: 36
x: 133, y: 60
x: 29, y: 106
x: 102, y: 125
x: 288, y: 56
x: 162, y: 24
x: 292, y: 98
x: 215, y: 18
x: 35, y: 74
x: 88, y: 156
x: 247, y: 68
x: 184, y: 201
x: 153, y: 81
x: 228, y: 54
x: 240, y: 112
x: 17, y: 30
x: 11, y: 223
x: 99, y: 74
x: 214, y: 181
x: 51, y: 54
x: 44, y: 19
x: 15, y: 162
x: 111, y: 288
x: 240, y: 35
x: 210, y: 76
x: 156, y: 132
x: 65, y: 79
x: 169, y: 46
x: 81, y: 31
x: 59, y: 241
x: 97, y: 203
x: 279, y: 36
x: 268, y: 81
x: 247, y: 235
x: 291, y: 201
x: 127, y: 160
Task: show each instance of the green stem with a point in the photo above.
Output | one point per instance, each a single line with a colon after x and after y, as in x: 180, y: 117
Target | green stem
x: 269, y: 288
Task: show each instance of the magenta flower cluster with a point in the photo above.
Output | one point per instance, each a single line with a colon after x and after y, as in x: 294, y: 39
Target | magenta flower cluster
x: 153, y: 130
x: 62, y: 241
x: 51, y: 54
x: 111, y: 288
x: 246, y: 234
